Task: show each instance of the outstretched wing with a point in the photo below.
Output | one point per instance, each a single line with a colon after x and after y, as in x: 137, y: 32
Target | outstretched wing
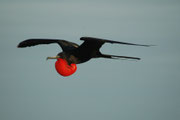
x: 102, y: 41
x: 92, y: 45
x: 65, y: 45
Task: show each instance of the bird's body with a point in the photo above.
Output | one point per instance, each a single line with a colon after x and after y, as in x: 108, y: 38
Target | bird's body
x: 75, y: 54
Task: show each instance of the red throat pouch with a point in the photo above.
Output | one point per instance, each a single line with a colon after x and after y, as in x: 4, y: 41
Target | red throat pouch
x: 64, y: 69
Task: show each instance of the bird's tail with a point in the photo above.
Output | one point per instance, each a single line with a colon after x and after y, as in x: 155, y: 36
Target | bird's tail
x: 118, y: 57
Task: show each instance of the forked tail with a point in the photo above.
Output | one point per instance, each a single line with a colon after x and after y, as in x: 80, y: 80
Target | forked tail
x: 118, y: 57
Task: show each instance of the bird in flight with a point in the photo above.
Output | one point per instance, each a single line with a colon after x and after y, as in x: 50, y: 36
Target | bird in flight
x: 73, y: 53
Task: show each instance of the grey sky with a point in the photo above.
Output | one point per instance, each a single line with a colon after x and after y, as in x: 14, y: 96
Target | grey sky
x: 101, y: 89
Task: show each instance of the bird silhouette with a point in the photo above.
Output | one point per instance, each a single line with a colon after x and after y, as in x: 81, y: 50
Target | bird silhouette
x: 73, y: 53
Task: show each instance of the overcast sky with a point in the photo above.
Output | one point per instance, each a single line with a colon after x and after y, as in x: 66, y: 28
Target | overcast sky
x: 101, y: 89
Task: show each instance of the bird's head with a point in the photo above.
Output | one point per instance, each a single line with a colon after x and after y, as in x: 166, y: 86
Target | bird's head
x: 59, y: 55
x: 62, y: 65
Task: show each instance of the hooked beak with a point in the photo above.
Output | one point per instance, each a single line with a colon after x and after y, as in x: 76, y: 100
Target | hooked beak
x: 56, y: 57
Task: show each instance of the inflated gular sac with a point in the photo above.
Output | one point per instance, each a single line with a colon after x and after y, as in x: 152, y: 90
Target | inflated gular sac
x: 63, y: 68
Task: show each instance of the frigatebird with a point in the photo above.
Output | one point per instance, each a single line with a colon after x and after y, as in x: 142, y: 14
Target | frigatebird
x: 73, y: 53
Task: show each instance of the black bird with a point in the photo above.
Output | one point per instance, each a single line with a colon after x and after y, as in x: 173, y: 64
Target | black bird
x: 73, y: 53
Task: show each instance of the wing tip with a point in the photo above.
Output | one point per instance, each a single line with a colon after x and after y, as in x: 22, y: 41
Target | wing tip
x: 20, y: 45
x: 23, y: 44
